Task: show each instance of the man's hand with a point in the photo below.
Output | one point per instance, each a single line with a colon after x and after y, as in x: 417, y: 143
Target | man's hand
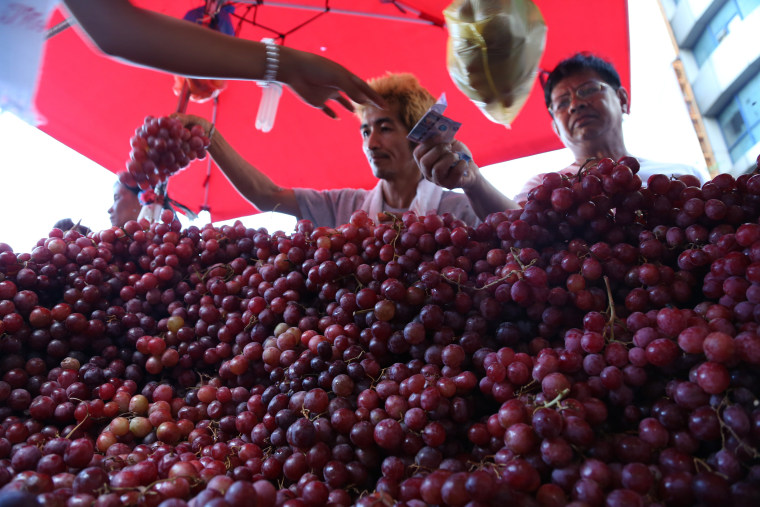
x: 252, y: 184
x: 188, y: 120
x: 448, y: 165
x: 318, y: 80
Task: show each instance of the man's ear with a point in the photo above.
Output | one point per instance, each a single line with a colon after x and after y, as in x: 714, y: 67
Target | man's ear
x: 625, y: 104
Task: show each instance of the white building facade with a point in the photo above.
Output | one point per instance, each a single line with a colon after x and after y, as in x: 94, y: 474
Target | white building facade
x: 720, y: 56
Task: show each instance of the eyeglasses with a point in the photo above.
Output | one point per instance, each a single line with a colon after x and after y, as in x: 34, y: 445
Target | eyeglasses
x: 583, y: 92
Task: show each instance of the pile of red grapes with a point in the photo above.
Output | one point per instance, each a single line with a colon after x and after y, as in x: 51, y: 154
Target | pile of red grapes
x: 161, y: 147
x: 598, y: 347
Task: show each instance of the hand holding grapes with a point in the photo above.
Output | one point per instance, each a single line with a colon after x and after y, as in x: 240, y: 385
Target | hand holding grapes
x: 163, y: 146
x: 252, y: 183
x: 190, y: 120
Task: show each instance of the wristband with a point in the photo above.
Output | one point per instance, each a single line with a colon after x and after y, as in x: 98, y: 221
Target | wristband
x: 273, y: 60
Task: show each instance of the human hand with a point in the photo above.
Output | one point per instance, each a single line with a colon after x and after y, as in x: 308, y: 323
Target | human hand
x: 188, y: 120
x: 445, y: 165
x: 317, y: 80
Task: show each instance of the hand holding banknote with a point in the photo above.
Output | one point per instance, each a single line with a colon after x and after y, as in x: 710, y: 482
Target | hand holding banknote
x: 447, y: 164
x: 434, y: 125
x: 442, y: 160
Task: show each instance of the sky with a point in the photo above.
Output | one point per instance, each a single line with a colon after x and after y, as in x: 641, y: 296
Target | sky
x: 43, y: 181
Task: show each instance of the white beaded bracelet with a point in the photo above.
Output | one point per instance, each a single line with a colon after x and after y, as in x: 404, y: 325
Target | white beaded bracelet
x: 273, y: 60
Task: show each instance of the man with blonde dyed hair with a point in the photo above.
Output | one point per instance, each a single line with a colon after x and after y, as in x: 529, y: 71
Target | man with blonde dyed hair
x: 404, y: 91
x: 401, y: 186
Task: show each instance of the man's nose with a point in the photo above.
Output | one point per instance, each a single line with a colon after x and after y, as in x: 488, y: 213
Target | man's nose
x: 372, y: 140
x: 576, y: 103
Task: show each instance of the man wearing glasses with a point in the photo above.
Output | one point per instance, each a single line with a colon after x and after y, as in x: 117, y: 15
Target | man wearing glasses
x: 586, y: 103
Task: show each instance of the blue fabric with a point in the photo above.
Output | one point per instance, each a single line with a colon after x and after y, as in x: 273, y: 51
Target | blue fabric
x: 222, y: 22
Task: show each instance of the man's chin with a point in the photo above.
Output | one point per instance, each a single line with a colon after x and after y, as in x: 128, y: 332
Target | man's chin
x: 379, y: 172
x: 588, y: 133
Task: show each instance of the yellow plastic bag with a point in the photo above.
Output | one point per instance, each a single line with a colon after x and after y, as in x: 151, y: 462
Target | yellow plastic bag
x: 493, y: 53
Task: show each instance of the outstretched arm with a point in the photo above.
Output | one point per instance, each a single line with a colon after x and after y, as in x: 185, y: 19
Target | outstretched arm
x: 154, y: 40
x: 441, y: 164
x: 252, y: 184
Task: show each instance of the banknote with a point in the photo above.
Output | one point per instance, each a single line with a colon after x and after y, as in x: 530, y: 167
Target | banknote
x: 434, y: 123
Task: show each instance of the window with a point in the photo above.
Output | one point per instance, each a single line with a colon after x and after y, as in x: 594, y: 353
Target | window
x: 756, y: 133
x: 740, y: 119
x: 704, y: 47
x: 723, y: 22
x: 731, y: 123
x: 749, y: 100
x: 741, y: 148
x: 747, y: 6
x: 724, y: 16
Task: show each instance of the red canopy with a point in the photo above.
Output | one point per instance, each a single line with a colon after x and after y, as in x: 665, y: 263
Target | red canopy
x: 93, y: 103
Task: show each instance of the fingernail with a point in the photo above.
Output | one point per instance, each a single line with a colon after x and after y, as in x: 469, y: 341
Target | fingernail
x: 463, y: 156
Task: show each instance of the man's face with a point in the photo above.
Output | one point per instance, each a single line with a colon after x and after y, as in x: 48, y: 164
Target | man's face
x: 587, y: 111
x: 125, y: 207
x: 384, y: 140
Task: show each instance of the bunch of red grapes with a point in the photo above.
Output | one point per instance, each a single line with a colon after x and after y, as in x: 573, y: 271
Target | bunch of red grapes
x: 161, y: 147
x: 598, y: 347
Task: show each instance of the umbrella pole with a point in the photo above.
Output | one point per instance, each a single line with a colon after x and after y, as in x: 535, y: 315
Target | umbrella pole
x: 207, y: 181
x: 184, y: 97
x: 422, y: 17
x: 60, y: 27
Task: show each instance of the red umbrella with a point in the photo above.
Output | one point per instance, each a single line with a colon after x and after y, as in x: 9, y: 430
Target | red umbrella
x: 93, y: 103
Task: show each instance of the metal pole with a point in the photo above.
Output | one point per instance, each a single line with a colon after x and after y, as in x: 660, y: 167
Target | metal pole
x: 349, y: 12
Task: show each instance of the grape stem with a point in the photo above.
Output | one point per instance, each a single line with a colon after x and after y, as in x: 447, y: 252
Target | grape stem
x: 229, y: 272
x: 515, y: 255
x: 502, y: 279
x: 254, y: 320
x: 748, y: 448
x: 527, y: 387
x: 582, y: 169
x: 383, y: 499
x: 698, y: 462
x: 86, y: 416
x: 610, y: 309
x: 355, y: 358
x: 455, y: 282
x: 308, y: 415
x: 375, y: 380
x: 560, y: 396
x: 192, y: 480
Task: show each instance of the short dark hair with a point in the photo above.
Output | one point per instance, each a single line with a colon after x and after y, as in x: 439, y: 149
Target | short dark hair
x: 67, y: 224
x: 575, y: 64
